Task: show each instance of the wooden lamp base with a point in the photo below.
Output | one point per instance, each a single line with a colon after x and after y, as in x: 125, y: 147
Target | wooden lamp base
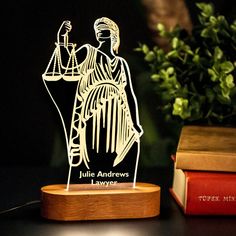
x: 88, y: 202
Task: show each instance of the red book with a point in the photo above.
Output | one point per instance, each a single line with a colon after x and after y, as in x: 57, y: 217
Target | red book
x: 205, y: 193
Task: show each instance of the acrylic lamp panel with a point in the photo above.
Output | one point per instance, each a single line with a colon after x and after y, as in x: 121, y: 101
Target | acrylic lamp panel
x: 92, y: 90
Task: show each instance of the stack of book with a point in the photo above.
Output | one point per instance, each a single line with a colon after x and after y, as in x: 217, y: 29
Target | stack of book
x: 204, y: 180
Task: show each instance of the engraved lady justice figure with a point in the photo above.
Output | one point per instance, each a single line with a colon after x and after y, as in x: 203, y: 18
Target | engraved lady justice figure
x: 104, y: 126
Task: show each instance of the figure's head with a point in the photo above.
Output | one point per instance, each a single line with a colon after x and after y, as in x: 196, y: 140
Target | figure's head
x: 108, y: 29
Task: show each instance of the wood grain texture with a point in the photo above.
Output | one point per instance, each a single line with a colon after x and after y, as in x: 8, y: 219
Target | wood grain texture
x: 207, y: 148
x: 86, y: 202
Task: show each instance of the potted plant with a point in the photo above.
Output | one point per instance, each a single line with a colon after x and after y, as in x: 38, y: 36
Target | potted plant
x: 194, y: 79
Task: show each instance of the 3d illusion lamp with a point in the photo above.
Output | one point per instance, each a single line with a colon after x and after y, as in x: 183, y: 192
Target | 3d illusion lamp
x: 92, y: 91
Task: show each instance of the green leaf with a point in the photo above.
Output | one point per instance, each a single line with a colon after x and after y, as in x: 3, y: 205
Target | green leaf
x: 175, y: 42
x: 213, y: 75
x: 138, y: 50
x: 206, y: 33
x: 218, y: 53
x: 196, y: 59
x: 206, y: 9
x: 155, y: 77
x: 227, y: 67
x: 145, y: 48
x: 213, y: 19
x: 173, y: 54
x: 160, y: 27
x: 225, y: 92
x: 150, y: 56
x: 160, y: 55
x: 170, y: 70
x: 233, y: 26
x: 229, y: 81
x: 180, y: 108
x: 222, y: 22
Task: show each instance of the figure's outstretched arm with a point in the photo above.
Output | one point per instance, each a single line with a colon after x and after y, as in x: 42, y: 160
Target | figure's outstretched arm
x: 62, y: 43
x: 62, y: 34
x: 66, y: 47
x: 61, y: 54
x: 67, y: 51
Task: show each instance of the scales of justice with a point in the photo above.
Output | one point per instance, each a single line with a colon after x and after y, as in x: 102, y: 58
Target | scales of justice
x: 92, y: 90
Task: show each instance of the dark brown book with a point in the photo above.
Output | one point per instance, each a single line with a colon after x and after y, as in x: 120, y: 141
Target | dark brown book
x: 207, y: 148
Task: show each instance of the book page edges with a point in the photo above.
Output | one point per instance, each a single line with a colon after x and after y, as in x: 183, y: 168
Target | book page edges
x: 206, y: 161
x: 178, y: 190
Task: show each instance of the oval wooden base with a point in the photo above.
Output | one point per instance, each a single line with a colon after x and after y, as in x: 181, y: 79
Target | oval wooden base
x: 85, y: 202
